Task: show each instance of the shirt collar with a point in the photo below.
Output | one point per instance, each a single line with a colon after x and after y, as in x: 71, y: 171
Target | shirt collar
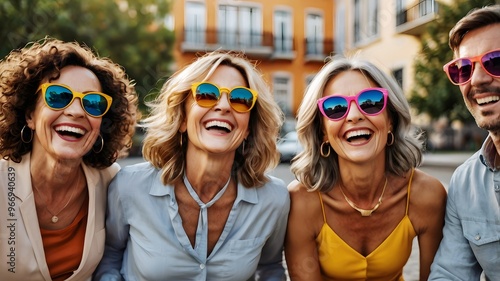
x: 488, y: 154
x: 244, y: 194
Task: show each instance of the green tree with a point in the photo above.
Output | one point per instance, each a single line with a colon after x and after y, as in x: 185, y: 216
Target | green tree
x: 130, y: 32
x: 433, y: 93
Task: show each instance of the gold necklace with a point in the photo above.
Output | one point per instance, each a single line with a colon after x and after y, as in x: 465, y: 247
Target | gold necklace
x: 55, y: 217
x: 364, y: 212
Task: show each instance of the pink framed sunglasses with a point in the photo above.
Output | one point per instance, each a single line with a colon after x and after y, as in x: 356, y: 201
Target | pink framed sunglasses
x: 460, y: 70
x: 370, y: 101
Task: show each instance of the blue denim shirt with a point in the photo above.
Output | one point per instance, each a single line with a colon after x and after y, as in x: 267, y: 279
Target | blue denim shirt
x: 145, y: 239
x: 471, y: 242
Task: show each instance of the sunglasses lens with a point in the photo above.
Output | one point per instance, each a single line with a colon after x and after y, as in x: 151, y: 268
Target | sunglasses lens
x: 207, y: 95
x: 335, y: 107
x: 241, y: 99
x: 95, y: 104
x: 460, y: 71
x: 58, y: 97
x: 371, y: 101
x: 491, y: 63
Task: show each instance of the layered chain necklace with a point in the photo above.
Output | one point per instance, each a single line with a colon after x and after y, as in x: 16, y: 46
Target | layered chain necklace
x: 364, y: 212
x: 55, y: 217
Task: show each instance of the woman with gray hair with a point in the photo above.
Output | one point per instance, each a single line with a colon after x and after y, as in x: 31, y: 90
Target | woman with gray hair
x: 358, y: 200
x: 203, y: 208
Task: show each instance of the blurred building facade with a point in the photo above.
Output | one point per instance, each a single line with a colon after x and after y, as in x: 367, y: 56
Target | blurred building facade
x: 387, y: 33
x: 289, y: 39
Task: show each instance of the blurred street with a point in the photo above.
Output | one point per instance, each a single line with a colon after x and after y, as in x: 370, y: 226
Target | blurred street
x: 438, y: 165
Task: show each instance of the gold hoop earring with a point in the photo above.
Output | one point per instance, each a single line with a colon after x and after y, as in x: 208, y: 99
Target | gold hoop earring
x: 102, y: 145
x: 22, y: 135
x: 389, y: 143
x: 321, y: 150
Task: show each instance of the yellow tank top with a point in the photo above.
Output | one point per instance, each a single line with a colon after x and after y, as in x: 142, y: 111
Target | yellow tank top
x: 338, y: 261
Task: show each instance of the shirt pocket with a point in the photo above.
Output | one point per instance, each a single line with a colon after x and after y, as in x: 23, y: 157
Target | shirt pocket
x: 245, y: 252
x: 484, y: 241
x: 246, y: 246
x: 480, y: 232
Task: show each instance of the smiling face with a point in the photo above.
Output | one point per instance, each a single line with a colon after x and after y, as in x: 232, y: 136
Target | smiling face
x: 356, y: 137
x: 70, y: 133
x: 482, y: 93
x: 218, y: 130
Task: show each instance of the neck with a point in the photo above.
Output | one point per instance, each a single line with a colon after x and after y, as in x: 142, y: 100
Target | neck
x: 364, y: 212
x: 363, y: 192
x: 207, y: 173
x: 51, y: 179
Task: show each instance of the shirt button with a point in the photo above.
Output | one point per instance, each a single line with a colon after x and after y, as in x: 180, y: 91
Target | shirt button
x: 202, y: 266
x: 497, y: 188
x: 477, y: 237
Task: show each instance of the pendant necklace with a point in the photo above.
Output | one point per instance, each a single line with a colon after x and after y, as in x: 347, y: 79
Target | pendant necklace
x: 55, y: 217
x: 364, y: 212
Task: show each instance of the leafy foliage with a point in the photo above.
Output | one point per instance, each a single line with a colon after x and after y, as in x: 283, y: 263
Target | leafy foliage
x: 433, y: 93
x: 130, y: 32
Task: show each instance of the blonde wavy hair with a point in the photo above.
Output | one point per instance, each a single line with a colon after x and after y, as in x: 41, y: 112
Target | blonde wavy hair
x: 21, y: 72
x: 322, y: 173
x: 163, y: 146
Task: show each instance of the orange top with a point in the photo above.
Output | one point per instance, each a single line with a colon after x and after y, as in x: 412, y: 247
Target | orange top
x: 338, y: 261
x: 64, y: 247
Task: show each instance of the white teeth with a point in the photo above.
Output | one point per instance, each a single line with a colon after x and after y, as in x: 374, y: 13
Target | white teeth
x: 487, y: 99
x: 70, y: 129
x: 357, y: 133
x: 218, y: 124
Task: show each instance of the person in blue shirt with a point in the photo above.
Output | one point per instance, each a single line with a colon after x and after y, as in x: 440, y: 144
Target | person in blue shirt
x: 471, y: 241
x: 203, y: 207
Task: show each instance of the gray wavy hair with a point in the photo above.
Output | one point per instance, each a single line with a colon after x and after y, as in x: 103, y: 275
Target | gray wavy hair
x: 320, y: 173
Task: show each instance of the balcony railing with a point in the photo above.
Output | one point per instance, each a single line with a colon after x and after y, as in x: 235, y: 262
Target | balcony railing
x: 413, y: 19
x: 253, y: 44
x: 317, y: 49
x: 261, y: 45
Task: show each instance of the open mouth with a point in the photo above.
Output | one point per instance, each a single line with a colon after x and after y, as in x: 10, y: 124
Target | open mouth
x: 358, y: 135
x: 218, y: 125
x: 70, y: 131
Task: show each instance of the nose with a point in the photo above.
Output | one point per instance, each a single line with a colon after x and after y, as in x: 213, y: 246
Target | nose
x: 75, y: 109
x: 479, y: 75
x: 354, y: 114
x: 223, y: 103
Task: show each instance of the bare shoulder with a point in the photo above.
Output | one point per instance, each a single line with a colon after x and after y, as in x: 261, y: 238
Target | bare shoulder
x: 426, y: 185
x: 305, y: 217
x: 428, y: 194
x: 298, y: 192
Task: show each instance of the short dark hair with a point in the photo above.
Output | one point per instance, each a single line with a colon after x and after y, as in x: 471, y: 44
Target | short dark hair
x: 476, y: 18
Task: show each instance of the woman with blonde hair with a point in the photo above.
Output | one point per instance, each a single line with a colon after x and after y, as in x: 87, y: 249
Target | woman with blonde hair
x: 202, y: 207
x: 359, y: 200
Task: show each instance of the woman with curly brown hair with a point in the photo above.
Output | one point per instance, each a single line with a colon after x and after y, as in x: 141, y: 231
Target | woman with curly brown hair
x: 65, y: 117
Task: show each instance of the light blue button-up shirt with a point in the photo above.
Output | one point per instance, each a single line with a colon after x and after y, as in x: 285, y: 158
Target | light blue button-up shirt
x: 145, y: 239
x: 471, y: 241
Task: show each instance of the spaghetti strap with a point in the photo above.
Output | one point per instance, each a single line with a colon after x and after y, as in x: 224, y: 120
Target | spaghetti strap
x: 409, y: 188
x: 322, y: 206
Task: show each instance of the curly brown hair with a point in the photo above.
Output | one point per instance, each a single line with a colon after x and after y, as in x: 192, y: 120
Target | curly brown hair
x: 23, y: 69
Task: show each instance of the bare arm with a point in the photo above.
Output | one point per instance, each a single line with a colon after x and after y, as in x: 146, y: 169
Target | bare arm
x: 429, y: 204
x: 300, y: 245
